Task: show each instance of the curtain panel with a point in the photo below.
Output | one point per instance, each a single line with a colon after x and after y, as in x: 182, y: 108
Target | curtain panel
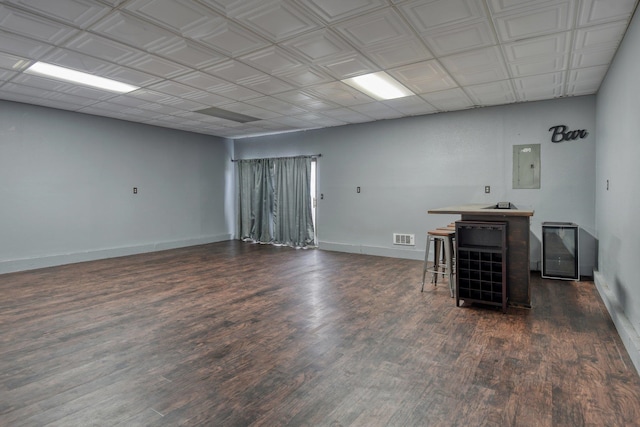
x: 274, y: 197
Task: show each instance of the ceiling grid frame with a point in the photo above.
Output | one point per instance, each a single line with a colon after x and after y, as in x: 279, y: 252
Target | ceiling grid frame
x: 167, y: 55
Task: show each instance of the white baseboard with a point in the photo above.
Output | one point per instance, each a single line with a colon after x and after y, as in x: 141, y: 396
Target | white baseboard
x: 11, y: 266
x: 372, y: 250
x: 628, y: 334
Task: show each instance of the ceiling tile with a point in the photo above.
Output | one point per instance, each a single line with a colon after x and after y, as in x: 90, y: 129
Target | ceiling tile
x: 543, y: 86
x: 600, y: 11
x: 276, y: 20
x: 225, y: 7
x: 585, y: 81
x: 348, y: 66
x: 384, y: 26
x: 103, y: 48
x: 189, y: 54
x: 394, y: 54
x: 148, y: 95
x: 77, y: 13
x: 411, y: 105
x: 318, y: 45
x: 294, y: 122
x: 22, y: 46
x: 424, y: 77
x: 459, y: 38
x: 204, y: 81
x: 46, y: 84
x: 600, y: 36
x: 238, y: 93
x: 536, y: 20
x: 32, y: 26
x: 477, y: 66
x: 135, y: 32
x: 597, y: 45
x: 182, y: 103
x: 12, y: 62
x: 541, y: 65
x: 251, y: 110
x: 377, y: 110
x: 538, y: 47
x: 449, y: 100
x: 157, y: 66
x: 235, y: 71
x: 173, y: 88
x: 539, y: 55
x: 271, y: 60
x: 495, y: 93
x: 210, y: 99
x: 592, y: 57
x: 268, y: 85
x: 306, y: 100
x: 276, y: 105
x: 498, y: 6
x: 429, y: 15
x: 227, y: 37
x: 6, y: 75
x: 335, y: 10
x: 77, y: 61
x: 177, y: 15
x: 339, y: 93
x: 127, y: 75
x: 304, y: 76
x: 347, y: 115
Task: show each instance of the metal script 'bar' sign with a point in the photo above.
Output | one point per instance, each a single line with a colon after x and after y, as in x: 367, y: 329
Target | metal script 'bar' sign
x: 560, y: 133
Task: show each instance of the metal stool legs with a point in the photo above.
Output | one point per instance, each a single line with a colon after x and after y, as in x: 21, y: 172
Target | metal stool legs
x: 440, y: 238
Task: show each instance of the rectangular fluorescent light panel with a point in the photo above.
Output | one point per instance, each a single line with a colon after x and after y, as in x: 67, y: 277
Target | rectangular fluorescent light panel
x: 73, y: 76
x: 227, y: 115
x: 380, y: 86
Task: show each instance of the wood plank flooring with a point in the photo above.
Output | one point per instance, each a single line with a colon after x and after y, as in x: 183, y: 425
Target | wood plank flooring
x: 235, y: 334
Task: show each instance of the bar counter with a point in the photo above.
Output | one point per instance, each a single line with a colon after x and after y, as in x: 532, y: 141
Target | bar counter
x: 518, y: 274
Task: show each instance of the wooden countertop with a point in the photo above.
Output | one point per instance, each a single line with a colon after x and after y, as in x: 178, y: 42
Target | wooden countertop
x: 481, y: 209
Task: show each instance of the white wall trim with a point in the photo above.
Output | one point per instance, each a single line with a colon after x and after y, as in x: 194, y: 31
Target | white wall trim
x: 11, y: 266
x: 628, y: 334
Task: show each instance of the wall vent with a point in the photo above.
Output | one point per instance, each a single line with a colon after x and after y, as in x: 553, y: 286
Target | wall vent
x: 404, y: 239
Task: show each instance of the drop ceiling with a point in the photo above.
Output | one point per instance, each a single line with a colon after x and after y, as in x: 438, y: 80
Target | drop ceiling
x: 282, y: 61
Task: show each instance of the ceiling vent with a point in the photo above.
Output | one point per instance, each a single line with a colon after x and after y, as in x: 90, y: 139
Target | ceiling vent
x: 227, y: 115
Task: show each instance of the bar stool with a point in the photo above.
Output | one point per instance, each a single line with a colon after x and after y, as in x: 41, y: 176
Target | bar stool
x: 440, y: 237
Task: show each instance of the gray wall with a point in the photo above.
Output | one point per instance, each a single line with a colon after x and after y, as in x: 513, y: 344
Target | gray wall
x: 618, y: 153
x: 66, y: 184
x: 408, y: 166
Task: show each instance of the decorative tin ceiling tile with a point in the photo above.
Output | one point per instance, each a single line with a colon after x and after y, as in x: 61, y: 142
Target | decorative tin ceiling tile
x: 534, y: 21
x: 384, y: 26
x: 455, y: 39
x: 332, y: 11
x: 424, y: 77
x: 276, y: 20
x: 477, y: 66
x: 431, y: 15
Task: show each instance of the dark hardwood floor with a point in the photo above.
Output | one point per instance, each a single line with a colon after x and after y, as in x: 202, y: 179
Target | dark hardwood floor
x: 234, y: 334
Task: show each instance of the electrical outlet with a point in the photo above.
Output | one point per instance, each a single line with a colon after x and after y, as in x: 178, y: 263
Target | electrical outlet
x: 487, y: 189
x: 357, y: 189
x: 135, y: 190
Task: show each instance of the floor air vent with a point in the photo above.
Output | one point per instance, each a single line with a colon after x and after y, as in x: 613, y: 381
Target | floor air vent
x: 404, y: 239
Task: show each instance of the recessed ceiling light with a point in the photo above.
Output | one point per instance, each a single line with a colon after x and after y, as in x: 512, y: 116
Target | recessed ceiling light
x: 379, y: 85
x: 227, y: 115
x: 73, y: 76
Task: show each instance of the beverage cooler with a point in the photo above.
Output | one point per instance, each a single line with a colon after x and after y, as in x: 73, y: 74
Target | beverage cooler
x: 560, y: 255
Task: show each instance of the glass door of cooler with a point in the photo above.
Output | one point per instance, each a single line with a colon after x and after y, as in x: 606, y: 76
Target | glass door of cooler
x: 560, y: 258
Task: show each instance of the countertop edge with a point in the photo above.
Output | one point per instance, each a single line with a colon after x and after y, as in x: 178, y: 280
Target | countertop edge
x: 480, y: 209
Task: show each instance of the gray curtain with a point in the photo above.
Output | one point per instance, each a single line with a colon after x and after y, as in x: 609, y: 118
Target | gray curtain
x: 275, y: 201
